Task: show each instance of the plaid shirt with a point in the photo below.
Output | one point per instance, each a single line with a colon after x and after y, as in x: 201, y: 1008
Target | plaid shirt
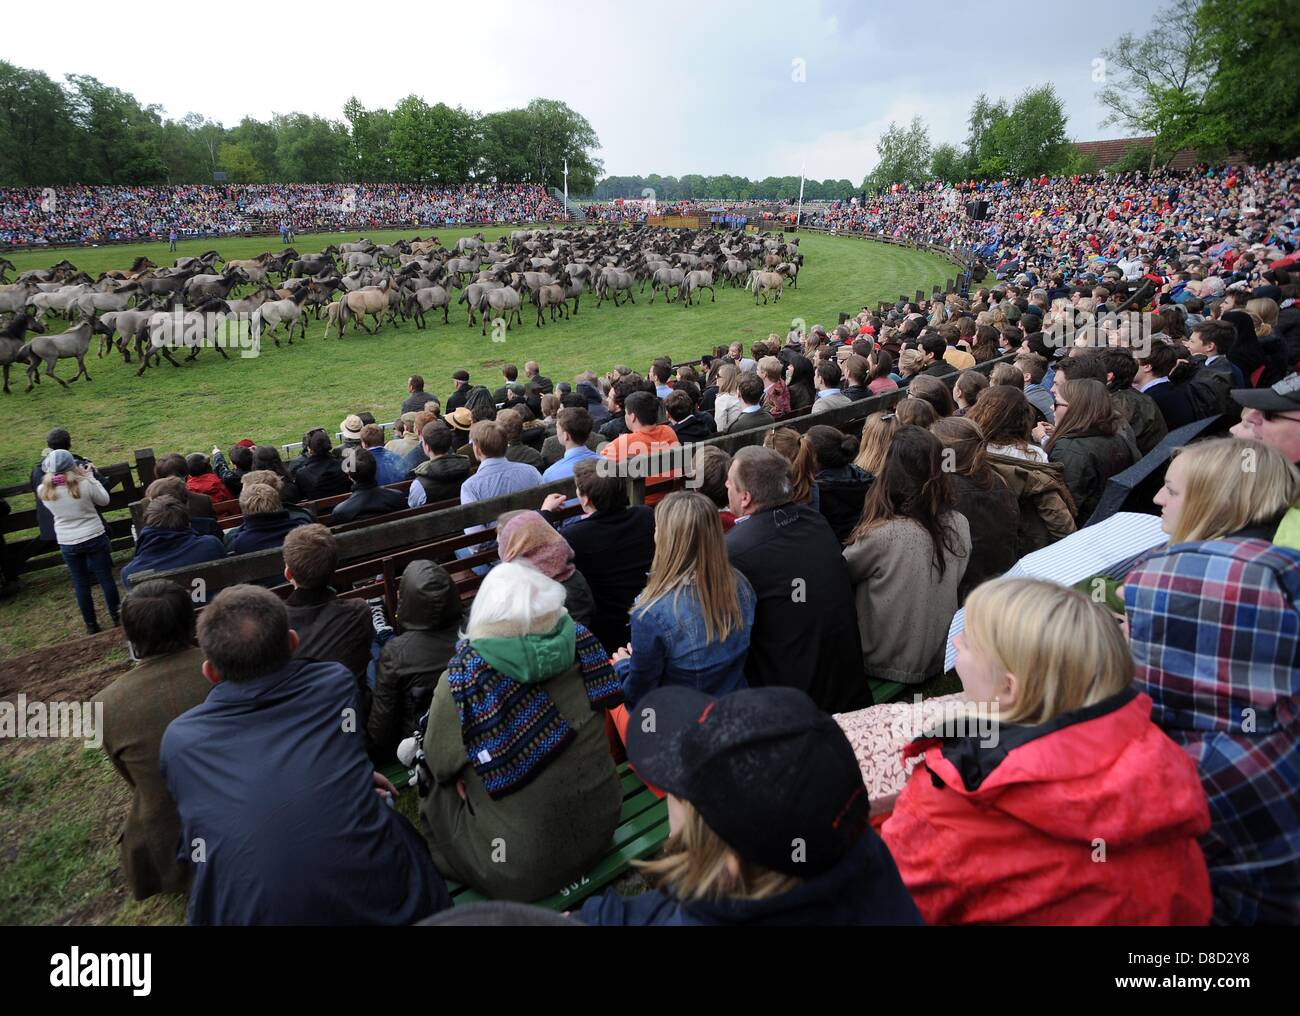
x: 1215, y: 633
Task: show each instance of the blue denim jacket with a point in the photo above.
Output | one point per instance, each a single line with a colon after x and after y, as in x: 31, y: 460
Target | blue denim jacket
x: 669, y: 646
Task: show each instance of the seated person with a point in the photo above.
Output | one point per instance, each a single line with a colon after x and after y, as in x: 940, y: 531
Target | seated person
x: 687, y: 424
x: 516, y: 450
x: 440, y: 476
x: 520, y: 801
x: 389, y: 467
x: 266, y: 522
x: 202, y: 480
x: 613, y: 545
x: 429, y: 615
x: 166, y: 681
x: 368, y: 499
x: 747, y: 775
x: 690, y: 625
x: 1013, y: 829
x: 319, y: 474
x: 752, y: 414
x: 200, y: 505
x: 527, y: 537
x: 328, y: 628
x: 293, y: 830
x: 174, y: 487
x: 1214, y: 626
x: 166, y: 541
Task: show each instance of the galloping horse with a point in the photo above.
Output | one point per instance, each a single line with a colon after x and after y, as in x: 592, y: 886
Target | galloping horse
x: 12, y: 339
x: 50, y: 349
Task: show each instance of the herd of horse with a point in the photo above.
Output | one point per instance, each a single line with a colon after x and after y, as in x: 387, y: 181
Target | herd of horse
x: 194, y: 302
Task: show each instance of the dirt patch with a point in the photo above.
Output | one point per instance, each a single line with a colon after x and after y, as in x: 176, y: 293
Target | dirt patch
x: 75, y: 671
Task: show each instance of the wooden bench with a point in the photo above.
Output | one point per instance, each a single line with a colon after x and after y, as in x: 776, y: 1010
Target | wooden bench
x: 642, y: 830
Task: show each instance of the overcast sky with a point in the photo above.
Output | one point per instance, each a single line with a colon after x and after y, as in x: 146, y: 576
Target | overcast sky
x: 670, y: 87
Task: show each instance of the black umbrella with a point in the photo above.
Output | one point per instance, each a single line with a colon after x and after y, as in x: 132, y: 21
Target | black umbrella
x: 1133, y: 489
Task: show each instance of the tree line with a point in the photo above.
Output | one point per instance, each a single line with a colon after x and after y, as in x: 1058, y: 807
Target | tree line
x: 84, y: 131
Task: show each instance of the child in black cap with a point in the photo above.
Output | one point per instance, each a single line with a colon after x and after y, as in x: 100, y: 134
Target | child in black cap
x: 769, y: 817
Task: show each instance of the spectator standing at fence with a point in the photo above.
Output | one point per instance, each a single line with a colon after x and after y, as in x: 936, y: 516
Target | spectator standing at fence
x: 56, y: 439
x: 416, y: 397
x: 72, y: 494
x: 272, y: 726
x: 166, y: 681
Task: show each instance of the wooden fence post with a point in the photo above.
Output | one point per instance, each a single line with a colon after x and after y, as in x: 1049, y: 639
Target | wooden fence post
x: 145, y: 463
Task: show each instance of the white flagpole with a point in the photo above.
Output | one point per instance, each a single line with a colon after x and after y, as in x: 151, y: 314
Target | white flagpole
x: 799, y: 215
x: 566, y: 190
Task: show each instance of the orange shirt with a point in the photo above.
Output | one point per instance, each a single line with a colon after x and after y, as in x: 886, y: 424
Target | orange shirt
x: 644, y: 442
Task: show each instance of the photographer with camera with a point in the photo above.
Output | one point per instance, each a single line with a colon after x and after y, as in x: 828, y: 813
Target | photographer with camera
x: 72, y: 493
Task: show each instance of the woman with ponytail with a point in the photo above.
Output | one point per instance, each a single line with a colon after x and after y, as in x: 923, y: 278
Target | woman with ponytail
x: 842, y: 485
x: 906, y: 559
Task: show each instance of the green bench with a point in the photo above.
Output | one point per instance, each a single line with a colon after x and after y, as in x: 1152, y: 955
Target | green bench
x: 885, y: 691
x: 642, y: 829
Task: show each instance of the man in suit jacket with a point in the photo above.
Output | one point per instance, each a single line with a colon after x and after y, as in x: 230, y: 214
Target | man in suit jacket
x: 827, y: 380
x: 1152, y: 378
x: 158, y: 618
x: 752, y: 414
x: 613, y: 545
x: 805, y: 632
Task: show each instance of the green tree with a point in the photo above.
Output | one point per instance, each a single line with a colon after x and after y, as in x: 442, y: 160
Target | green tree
x: 904, y: 155
x: 983, y: 158
x: 1252, y: 103
x: 119, y: 137
x: 1155, y: 84
x: 947, y: 163
x: 239, y: 163
x: 36, y: 129
x: 1033, y: 139
x: 369, y: 153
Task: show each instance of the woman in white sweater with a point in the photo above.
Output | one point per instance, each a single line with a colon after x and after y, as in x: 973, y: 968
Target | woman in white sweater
x: 727, y: 406
x: 906, y: 559
x: 73, y: 495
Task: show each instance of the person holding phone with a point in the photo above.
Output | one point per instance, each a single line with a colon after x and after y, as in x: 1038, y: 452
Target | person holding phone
x: 72, y: 493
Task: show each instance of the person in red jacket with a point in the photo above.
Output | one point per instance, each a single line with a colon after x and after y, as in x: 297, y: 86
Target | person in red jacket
x: 202, y: 480
x: 1074, y: 808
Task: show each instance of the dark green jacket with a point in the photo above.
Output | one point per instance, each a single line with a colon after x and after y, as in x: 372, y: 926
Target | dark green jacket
x: 1143, y: 415
x: 1088, y: 461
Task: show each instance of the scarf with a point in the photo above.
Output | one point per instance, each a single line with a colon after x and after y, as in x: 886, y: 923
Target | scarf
x: 511, y: 729
x: 532, y: 538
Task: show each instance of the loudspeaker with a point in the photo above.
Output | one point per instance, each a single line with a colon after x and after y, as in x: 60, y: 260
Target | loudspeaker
x: 977, y: 210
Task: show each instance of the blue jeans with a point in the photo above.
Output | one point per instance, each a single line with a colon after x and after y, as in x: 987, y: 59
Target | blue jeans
x: 376, y: 647
x: 91, y: 561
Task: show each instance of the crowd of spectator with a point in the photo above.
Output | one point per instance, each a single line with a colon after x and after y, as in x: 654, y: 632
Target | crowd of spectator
x: 75, y: 215
x: 755, y: 617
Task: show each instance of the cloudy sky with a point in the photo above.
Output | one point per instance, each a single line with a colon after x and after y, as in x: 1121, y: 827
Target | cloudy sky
x: 753, y: 89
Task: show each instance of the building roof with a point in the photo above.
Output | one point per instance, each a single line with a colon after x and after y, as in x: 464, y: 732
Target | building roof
x: 1107, y: 153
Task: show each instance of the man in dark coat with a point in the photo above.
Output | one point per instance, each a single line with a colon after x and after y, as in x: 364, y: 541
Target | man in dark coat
x: 686, y: 423
x: 429, y: 615
x: 328, y: 628
x: 158, y: 619
x: 368, y: 498
x: 440, y: 476
x: 612, y: 547
x: 319, y: 473
x: 416, y: 395
x: 805, y: 632
x: 266, y: 522
x: 166, y: 541
x: 276, y: 796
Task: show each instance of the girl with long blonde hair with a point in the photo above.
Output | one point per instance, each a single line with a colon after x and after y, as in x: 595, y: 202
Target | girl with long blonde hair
x: 691, y: 623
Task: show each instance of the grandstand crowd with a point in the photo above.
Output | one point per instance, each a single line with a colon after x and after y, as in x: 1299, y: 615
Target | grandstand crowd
x: 739, y: 640
x: 33, y: 216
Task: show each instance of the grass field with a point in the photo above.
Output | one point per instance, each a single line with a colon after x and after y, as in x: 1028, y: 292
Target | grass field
x: 276, y: 396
